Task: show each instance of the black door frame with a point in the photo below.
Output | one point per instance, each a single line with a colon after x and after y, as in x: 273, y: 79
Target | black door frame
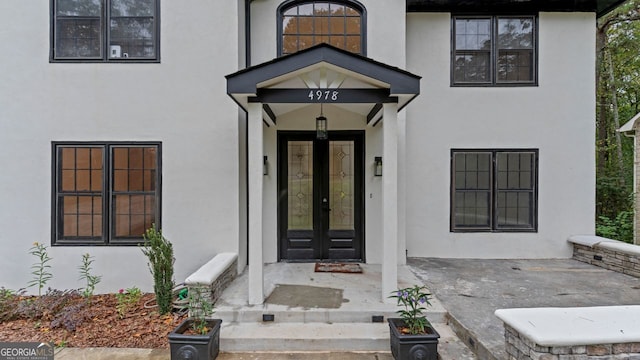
x: 359, y: 198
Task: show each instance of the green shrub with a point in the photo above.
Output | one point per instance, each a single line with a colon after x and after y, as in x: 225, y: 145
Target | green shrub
x: 618, y: 228
x: 159, y: 251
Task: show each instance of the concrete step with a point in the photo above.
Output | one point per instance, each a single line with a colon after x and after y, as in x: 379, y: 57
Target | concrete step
x: 318, y: 337
x: 284, y: 315
x: 304, y: 337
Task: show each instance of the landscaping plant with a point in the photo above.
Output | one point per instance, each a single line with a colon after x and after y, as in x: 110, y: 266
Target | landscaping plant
x: 413, y: 300
x: 159, y: 251
x: 199, y: 310
x: 41, y: 269
x: 126, y: 299
x: 85, y: 274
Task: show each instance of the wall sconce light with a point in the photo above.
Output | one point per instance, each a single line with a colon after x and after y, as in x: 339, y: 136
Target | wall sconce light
x: 265, y: 166
x: 377, y: 166
x: 321, y: 126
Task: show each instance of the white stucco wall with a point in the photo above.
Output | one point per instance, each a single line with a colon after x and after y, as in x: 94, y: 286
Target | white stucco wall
x: 181, y: 102
x: 556, y: 117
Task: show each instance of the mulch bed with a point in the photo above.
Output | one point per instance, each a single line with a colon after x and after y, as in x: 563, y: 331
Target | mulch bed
x: 141, y: 327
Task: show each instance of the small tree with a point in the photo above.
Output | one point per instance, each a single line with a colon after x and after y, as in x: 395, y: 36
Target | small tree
x: 159, y: 251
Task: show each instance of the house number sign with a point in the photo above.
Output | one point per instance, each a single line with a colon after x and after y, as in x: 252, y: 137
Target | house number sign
x: 305, y: 96
x: 324, y: 95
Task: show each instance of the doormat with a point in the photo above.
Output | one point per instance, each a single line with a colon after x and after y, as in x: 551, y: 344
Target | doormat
x: 307, y: 297
x: 350, y: 268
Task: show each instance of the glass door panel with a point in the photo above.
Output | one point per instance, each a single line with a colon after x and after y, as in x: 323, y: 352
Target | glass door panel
x: 341, y: 185
x: 300, y: 185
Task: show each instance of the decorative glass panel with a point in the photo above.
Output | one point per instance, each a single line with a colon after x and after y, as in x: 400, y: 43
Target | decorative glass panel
x: 341, y: 185
x: 300, y: 185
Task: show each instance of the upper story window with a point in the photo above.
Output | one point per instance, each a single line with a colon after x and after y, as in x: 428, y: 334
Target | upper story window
x: 105, y: 30
x: 303, y: 24
x: 494, y: 50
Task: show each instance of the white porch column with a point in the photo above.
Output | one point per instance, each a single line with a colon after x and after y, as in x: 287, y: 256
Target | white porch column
x: 389, y: 200
x: 255, y: 162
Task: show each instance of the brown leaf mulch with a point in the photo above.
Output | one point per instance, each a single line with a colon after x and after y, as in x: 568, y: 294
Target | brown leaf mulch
x: 141, y: 327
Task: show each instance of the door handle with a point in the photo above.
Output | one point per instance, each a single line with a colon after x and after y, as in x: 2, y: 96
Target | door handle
x: 325, y: 204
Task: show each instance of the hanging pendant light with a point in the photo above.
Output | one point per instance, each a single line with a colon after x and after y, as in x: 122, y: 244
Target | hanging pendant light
x: 321, y: 126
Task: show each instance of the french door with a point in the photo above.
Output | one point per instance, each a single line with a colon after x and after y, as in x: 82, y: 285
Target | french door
x: 320, y: 201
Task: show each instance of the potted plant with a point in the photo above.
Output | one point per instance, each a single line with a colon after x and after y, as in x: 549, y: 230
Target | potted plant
x: 412, y: 336
x: 198, y: 336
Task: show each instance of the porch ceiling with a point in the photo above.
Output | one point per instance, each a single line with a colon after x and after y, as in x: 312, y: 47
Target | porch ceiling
x: 323, y: 74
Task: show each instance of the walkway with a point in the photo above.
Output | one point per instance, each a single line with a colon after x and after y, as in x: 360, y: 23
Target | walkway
x: 471, y: 290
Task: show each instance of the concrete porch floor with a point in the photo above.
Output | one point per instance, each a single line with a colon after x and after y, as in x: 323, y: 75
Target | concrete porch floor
x: 303, y: 320
x: 361, y: 295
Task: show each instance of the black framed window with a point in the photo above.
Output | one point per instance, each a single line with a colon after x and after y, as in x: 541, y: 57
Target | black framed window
x: 105, y: 193
x: 105, y: 30
x: 303, y: 24
x: 494, y: 190
x: 494, y: 50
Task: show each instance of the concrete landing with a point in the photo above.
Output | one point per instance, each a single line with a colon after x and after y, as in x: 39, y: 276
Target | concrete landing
x: 319, y: 312
x: 471, y: 290
x: 361, y: 297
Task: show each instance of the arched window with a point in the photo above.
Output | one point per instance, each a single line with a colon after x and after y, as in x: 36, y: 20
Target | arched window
x: 303, y: 24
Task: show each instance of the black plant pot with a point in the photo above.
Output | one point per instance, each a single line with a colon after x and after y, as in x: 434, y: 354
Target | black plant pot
x: 412, y: 347
x: 195, y: 347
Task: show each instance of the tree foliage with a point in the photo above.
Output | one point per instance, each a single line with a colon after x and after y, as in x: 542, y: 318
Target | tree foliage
x: 618, y: 95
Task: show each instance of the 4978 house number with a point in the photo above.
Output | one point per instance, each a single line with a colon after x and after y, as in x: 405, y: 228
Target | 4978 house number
x: 323, y: 95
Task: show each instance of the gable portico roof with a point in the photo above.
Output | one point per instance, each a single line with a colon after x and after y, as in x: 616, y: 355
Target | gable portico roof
x: 382, y: 82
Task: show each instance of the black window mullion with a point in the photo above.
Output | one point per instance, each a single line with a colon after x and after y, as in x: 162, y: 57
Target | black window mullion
x: 493, y: 57
x: 517, y: 190
x: 495, y: 192
x: 104, y: 194
x: 106, y: 28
